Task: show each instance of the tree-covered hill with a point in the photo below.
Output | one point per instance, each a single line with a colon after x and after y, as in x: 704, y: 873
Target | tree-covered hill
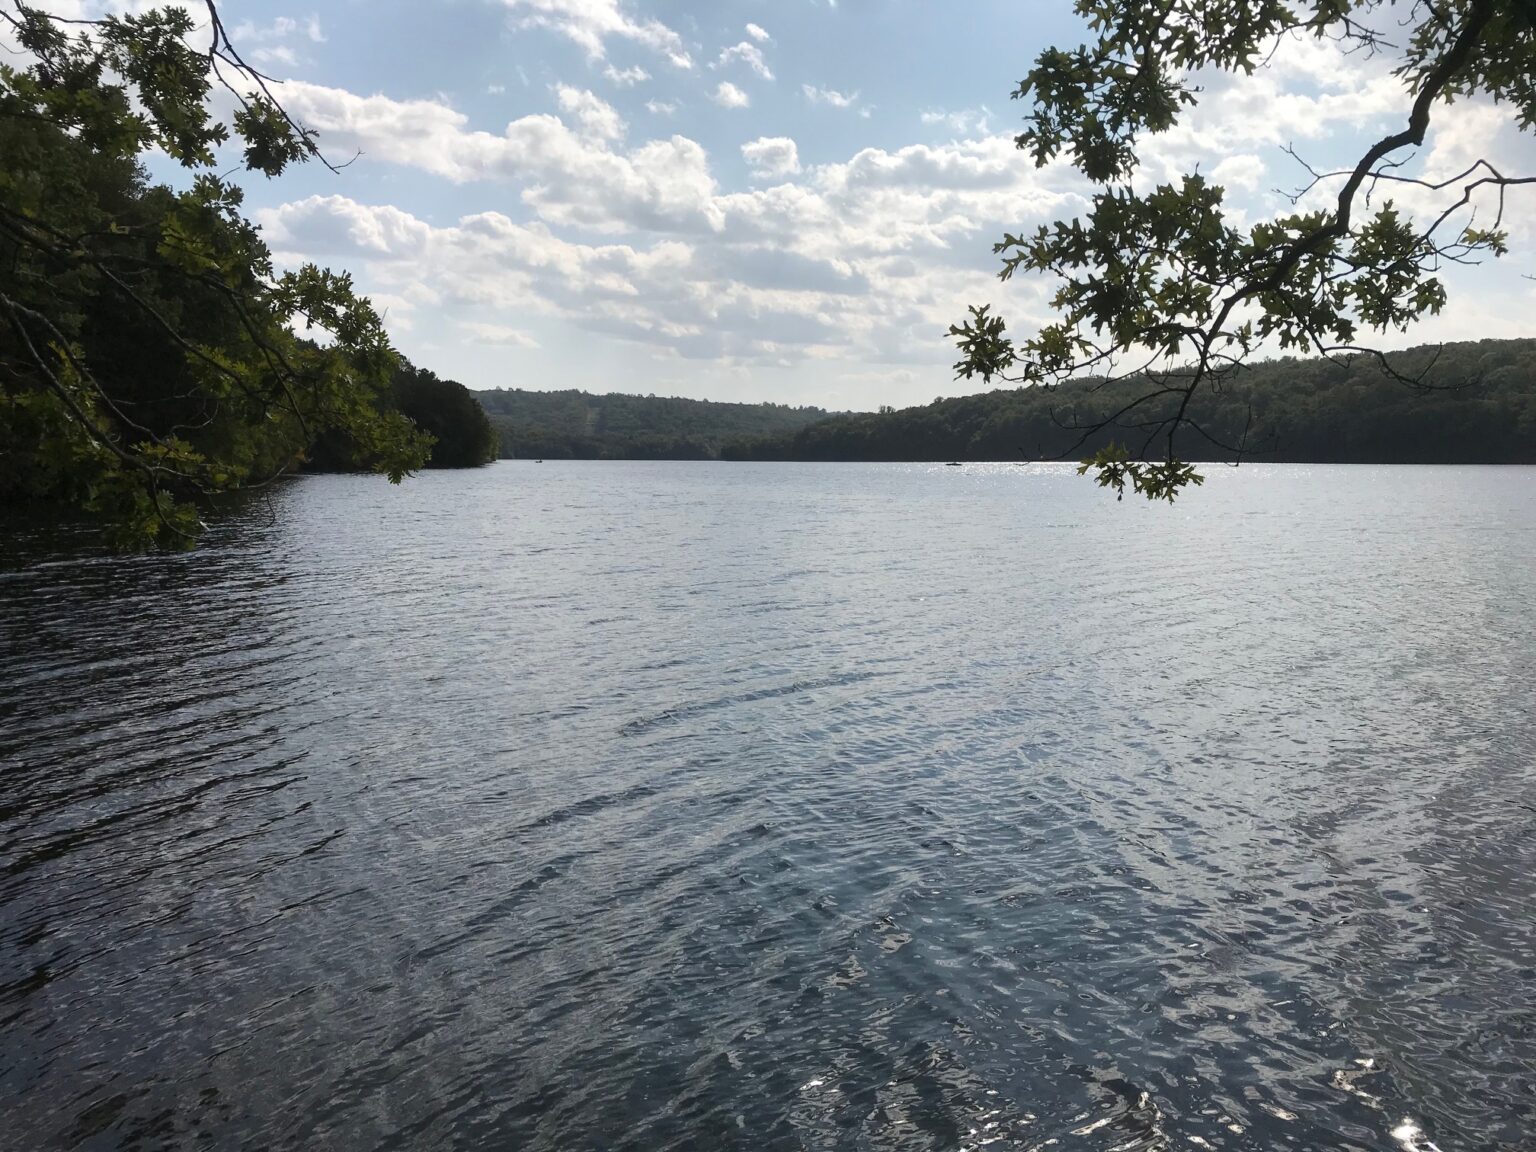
x: 580, y: 425
x: 1478, y: 406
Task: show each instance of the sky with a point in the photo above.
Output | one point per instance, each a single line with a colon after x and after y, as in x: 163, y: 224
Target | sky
x: 784, y: 200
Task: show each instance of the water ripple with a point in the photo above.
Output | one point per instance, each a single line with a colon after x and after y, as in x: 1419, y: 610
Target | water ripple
x: 678, y: 806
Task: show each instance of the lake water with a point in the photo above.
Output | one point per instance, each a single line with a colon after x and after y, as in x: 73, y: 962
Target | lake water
x: 702, y: 806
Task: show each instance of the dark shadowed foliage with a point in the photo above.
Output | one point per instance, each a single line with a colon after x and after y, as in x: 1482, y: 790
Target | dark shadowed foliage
x: 462, y: 433
x: 147, y: 351
x: 459, y: 432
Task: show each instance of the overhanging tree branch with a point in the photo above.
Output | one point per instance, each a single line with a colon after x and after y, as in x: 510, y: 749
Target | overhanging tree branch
x: 1164, y: 272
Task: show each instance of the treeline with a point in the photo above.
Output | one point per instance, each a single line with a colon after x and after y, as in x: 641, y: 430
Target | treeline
x: 618, y: 426
x: 1477, y: 405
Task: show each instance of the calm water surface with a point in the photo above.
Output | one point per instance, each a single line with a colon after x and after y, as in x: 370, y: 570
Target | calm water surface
x: 696, y: 806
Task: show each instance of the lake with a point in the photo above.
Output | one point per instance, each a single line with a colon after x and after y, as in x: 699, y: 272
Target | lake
x: 702, y: 806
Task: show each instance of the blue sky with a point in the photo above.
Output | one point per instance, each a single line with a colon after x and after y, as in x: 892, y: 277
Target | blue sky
x: 744, y: 199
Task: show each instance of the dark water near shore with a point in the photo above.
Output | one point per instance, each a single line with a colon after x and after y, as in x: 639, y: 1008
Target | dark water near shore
x: 665, y: 806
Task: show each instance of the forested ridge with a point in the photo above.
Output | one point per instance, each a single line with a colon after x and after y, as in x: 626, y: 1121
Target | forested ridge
x: 579, y: 425
x: 1477, y: 405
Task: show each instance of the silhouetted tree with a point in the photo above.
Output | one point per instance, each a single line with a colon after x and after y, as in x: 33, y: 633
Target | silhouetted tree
x: 462, y: 434
x: 1158, y: 283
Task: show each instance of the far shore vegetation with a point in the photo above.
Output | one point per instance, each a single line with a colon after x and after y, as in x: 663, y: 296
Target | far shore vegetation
x: 1476, y: 404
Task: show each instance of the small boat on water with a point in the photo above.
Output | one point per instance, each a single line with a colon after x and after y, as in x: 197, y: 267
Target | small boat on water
x: 953, y: 464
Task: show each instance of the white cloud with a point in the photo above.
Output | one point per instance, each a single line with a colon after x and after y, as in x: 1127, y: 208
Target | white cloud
x: 749, y: 301
x: 965, y: 122
x: 772, y: 156
x: 495, y: 89
x: 596, y: 117
x: 626, y: 77
x: 730, y: 96
x: 757, y: 33
x: 866, y: 260
x: 269, y: 45
x: 488, y: 333
x: 749, y: 54
x: 1241, y: 171
x: 570, y: 177
x: 919, y: 198
x: 591, y: 23
x: 661, y: 107
x: 280, y: 29
x: 276, y: 54
x: 329, y: 224
x: 829, y: 96
x: 978, y: 164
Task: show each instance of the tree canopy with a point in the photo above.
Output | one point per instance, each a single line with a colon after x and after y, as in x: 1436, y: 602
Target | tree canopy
x: 462, y: 434
x: 1159, y: 284
x: 149, y: 352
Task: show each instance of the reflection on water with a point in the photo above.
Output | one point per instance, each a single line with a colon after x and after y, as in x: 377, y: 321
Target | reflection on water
x: 664, y: 806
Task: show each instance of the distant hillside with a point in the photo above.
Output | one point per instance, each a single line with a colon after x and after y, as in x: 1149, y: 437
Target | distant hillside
x: 1481, y: 409
x: 580, y: 425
